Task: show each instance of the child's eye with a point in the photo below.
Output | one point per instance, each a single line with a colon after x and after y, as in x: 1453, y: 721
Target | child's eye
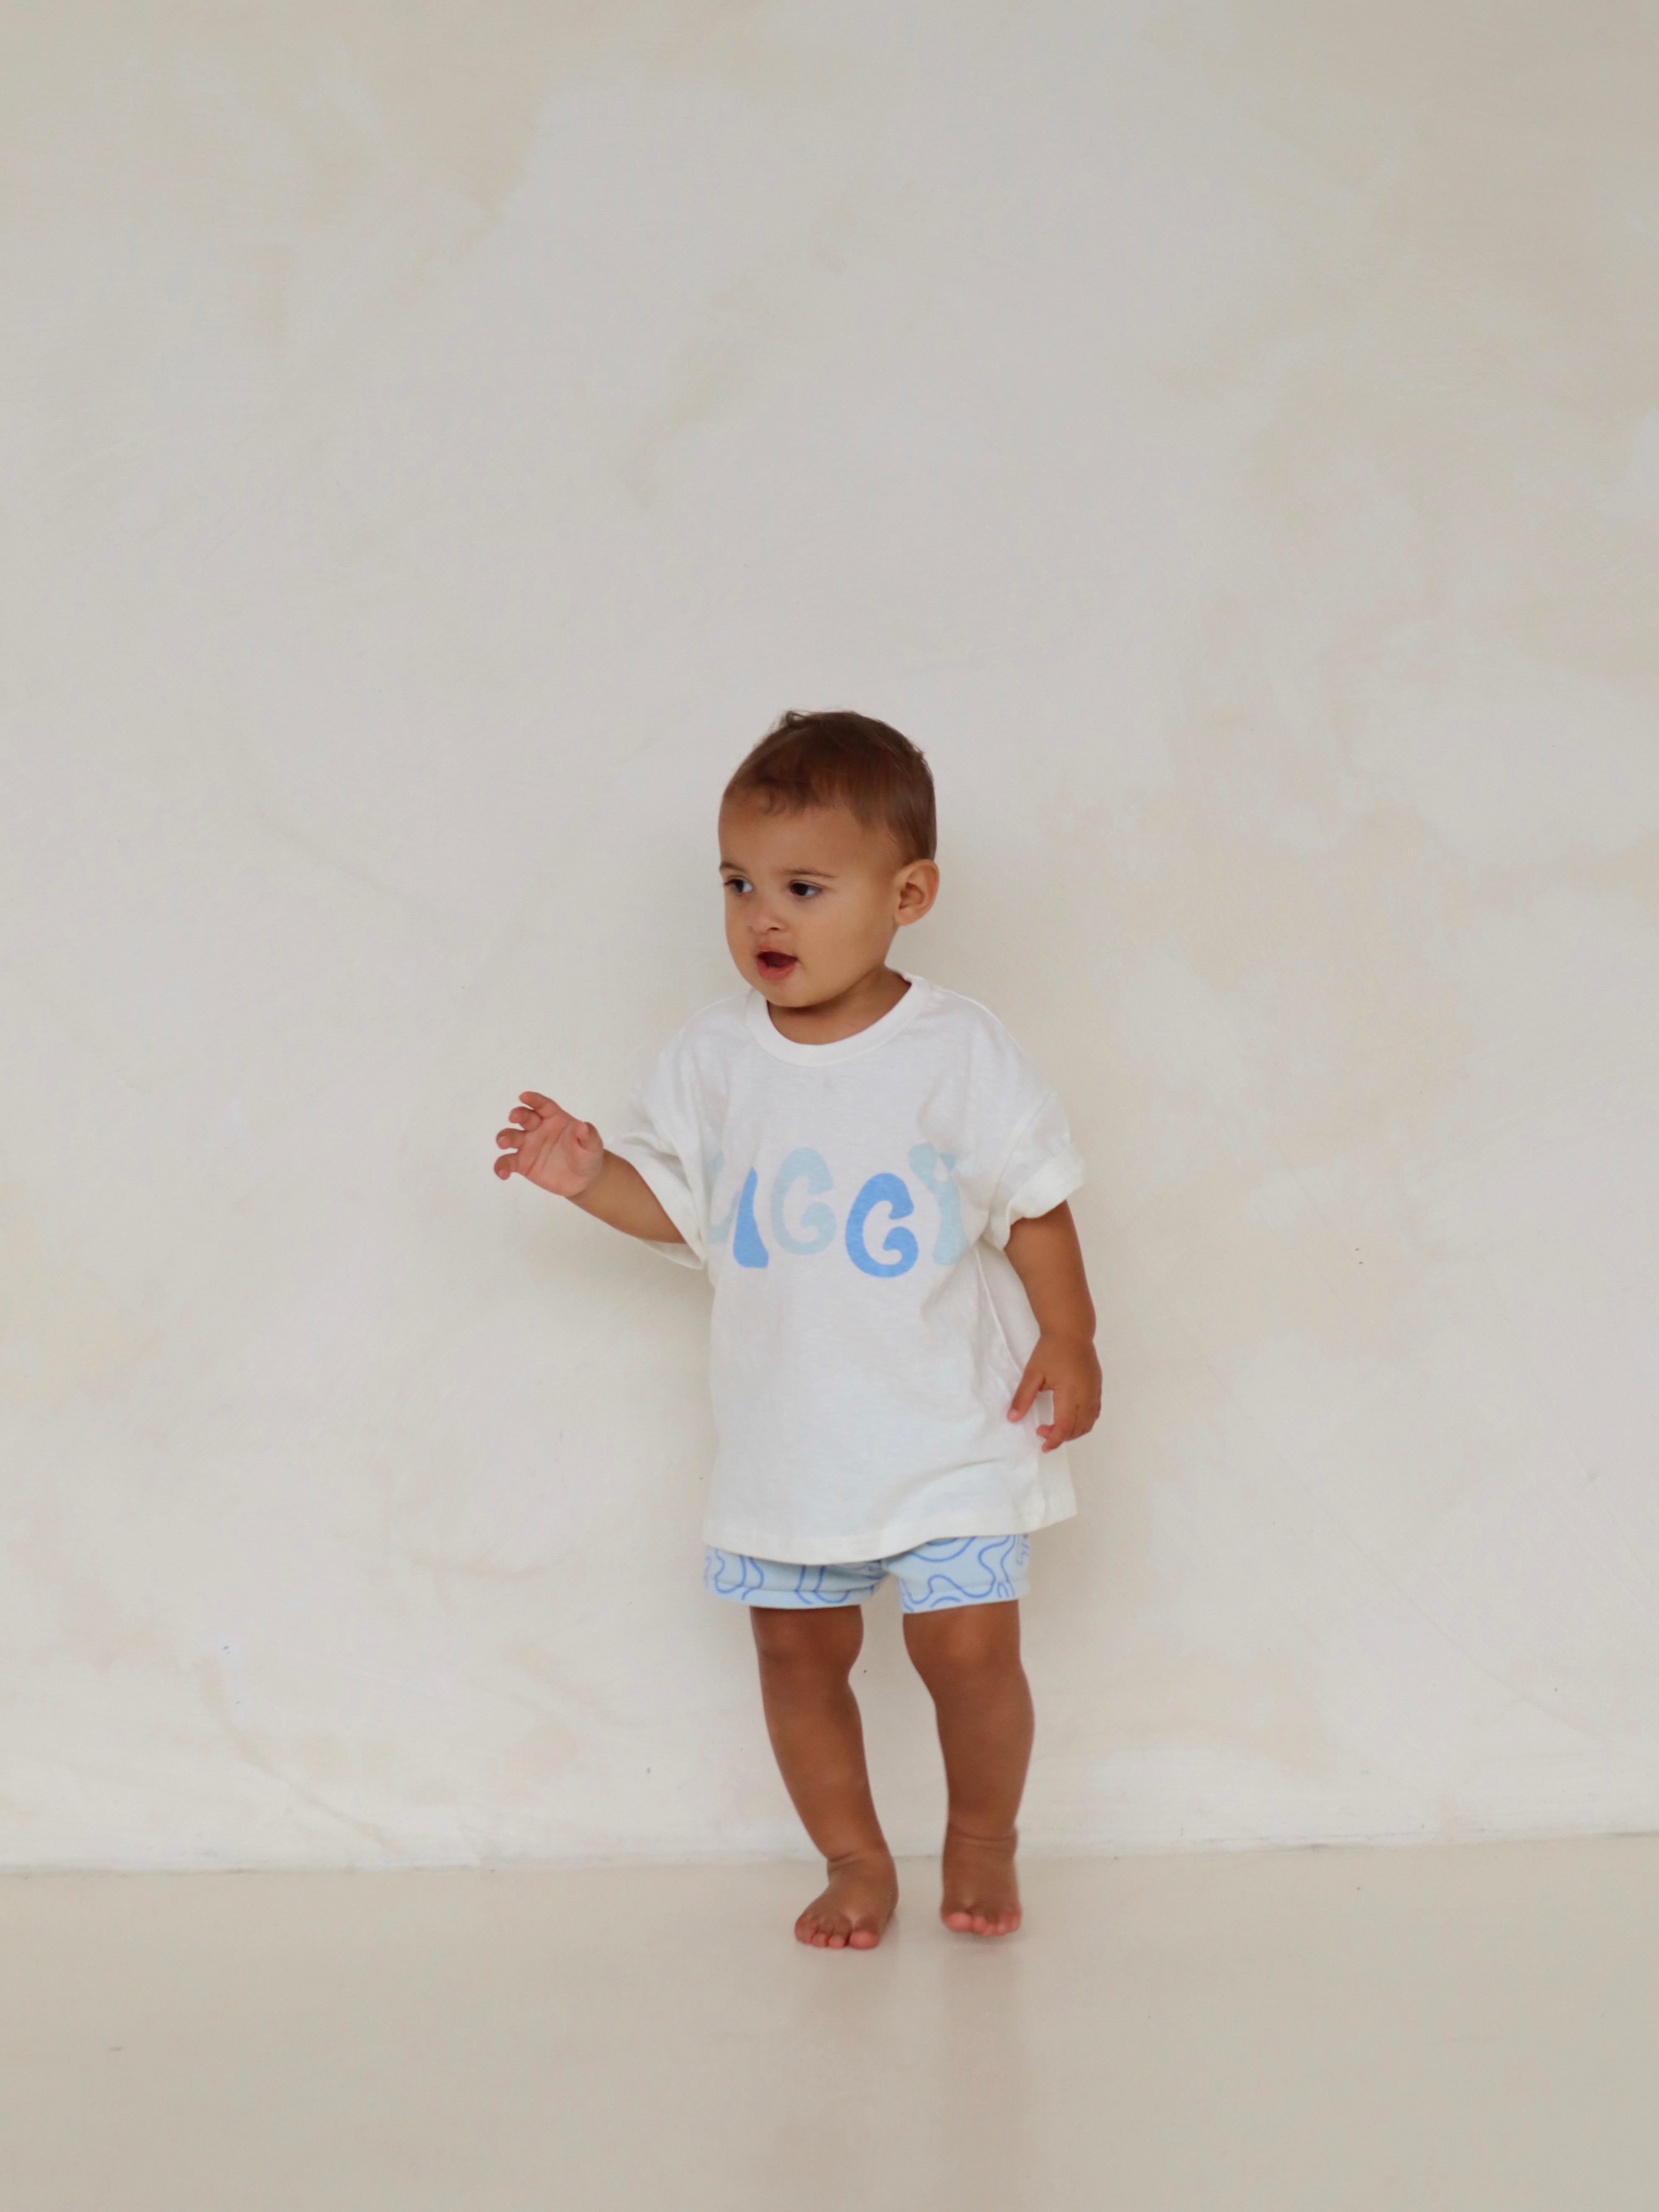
x: 804, y: 890
x: 736, y: 882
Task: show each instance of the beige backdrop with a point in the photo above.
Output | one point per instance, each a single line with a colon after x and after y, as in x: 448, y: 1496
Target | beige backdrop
x: 439, y: 439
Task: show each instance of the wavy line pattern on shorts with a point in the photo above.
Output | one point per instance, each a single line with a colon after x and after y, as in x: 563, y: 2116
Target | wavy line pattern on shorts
x: 983, y: 1570
x: 998, y: 1559
x: 731, y: 1574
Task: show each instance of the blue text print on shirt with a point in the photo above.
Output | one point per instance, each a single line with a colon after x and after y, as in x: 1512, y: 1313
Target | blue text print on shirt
x: 746, y: 1247
x: 934, y: 1168
x: 817, y: 1223
x: 721, y: 1230
x: 899, y: 1244
x: 816, y: 1231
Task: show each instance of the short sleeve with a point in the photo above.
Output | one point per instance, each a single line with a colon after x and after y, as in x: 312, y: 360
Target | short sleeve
x: 1041, y: 1168
x: 658, y: 1139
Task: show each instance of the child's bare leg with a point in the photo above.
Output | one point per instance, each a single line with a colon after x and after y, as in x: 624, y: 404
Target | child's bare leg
x: 813, y: 1718
x: 969, y: 1657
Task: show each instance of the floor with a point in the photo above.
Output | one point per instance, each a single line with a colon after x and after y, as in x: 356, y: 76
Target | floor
x: 1337, y: 2031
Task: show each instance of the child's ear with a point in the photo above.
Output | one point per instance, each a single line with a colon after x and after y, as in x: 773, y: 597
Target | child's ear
x: 918, y: 887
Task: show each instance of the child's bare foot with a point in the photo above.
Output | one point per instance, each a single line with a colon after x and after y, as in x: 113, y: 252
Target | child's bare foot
x: 853, y: 1909
x: 981, y: 1895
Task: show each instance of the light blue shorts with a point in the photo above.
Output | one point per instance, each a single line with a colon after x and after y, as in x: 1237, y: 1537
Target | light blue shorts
x: 956, y: 1571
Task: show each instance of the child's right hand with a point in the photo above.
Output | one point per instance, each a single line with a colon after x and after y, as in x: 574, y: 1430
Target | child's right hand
x: 549, y: 1147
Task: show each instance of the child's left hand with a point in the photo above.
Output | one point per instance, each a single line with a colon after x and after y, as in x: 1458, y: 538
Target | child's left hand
x: 1067, y: 1366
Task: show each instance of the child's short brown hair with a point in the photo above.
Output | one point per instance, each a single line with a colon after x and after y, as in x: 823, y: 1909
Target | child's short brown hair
x: 843, y: 759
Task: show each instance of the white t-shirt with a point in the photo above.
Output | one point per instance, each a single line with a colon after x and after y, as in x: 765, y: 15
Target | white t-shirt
x: 851, y: 1202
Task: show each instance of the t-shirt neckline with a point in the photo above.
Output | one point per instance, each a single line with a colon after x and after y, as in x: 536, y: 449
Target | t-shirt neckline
x: 766, y: 1033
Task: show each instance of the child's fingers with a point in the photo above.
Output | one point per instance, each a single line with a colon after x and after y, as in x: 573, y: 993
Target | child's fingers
x: 1074, y: 1416
x: 1025, y: 1397
x: 1063, y: 1427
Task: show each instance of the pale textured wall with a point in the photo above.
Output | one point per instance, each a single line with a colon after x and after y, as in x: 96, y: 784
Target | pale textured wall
x: 438, y: 440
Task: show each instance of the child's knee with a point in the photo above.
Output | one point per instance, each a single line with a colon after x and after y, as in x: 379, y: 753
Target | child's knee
x: 806, y: 1645
x: 965, y: 1645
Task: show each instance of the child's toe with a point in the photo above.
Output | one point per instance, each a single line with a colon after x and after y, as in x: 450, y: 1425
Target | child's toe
x: 852, y: 1912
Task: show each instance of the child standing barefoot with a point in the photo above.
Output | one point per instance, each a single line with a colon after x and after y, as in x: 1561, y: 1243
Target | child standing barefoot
x: 875, y: 1177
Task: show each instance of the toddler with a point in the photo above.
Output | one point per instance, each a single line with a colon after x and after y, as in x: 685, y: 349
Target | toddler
x: 875, y: 1177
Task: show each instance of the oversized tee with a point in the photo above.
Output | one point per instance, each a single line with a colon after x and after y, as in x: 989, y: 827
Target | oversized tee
x: 852, y: 1202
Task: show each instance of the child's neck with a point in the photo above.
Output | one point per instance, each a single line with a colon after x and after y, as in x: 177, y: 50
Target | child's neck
x: 859, y: 1008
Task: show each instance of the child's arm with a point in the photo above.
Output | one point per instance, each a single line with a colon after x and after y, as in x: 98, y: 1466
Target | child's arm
x: 1049, y: 1259
x: 556, y: 1153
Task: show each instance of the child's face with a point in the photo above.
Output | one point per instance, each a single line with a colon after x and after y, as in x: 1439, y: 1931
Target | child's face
x: 812, y: 900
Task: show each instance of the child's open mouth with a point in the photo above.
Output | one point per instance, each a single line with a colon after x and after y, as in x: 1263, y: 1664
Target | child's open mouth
x: 775, y: 964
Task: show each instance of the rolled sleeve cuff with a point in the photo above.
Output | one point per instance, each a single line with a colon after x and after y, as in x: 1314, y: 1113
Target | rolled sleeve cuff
x: 1051, y: 1185
x: 671, y: 1194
